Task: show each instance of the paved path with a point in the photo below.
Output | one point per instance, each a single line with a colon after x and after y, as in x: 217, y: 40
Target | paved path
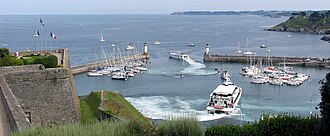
x: 4, y: 125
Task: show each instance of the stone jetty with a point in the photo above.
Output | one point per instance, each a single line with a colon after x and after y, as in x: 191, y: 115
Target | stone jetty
x: 296, y: 61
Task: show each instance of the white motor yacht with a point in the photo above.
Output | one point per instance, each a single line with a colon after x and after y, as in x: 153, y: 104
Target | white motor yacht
x: 94, y: 73
x: 224, y: 98
x: 119, y: 75
x: 157, y: 43
x: 179, y: 55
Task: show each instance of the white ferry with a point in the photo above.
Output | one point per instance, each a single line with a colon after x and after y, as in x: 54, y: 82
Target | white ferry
x: 179, y: 56
x: 224, y: 98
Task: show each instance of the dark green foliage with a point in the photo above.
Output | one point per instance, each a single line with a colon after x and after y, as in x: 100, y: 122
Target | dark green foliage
x: 269, y: 125
x: 3, y: 51
x: 8, y: 60
x: 325, y: 105
x: 49, y: 61
x: 307, y: 21
x: 315, y: 16
x: 180, y: 127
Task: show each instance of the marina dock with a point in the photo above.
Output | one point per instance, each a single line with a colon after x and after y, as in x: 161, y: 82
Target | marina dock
x: 86, y: 67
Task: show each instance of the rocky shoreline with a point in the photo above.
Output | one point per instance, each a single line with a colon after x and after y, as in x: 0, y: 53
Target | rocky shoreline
x: 312, y: 29
x: 326, y: 38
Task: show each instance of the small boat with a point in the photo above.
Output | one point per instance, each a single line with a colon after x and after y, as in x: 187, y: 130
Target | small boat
x: 225, y: 75
x: 129, y: 47
x: 179, y: 55
x: 102, y: 38
x: 248, y: 52
x: 36, y: 33
x: 157, y: 43
x: 259, y: 79
x: 224, y: 98
x: 191, y: 45
x: 263, y: 46
x: 119, y: 75
x: 293, y: 83
x: 94, y: 73
x: 275, y: 82
x: 141, y: 68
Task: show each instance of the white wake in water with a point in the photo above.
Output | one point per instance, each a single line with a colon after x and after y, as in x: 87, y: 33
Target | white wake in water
x: 196, y: 68
x: 159, y: 107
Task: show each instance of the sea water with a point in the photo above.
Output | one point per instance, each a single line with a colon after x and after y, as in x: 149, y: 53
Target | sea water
x: 160, y: 92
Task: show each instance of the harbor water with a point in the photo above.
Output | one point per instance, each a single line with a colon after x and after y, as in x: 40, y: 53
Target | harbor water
x: 160, y: 92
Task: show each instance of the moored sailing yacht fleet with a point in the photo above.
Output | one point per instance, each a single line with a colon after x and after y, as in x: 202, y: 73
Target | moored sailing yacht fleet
x: 115, y: 66
x: 274, y: 75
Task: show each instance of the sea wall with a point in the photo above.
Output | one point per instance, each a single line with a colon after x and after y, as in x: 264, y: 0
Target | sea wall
x: 297, y: 61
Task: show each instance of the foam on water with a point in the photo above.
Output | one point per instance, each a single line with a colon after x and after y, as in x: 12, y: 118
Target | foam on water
x: 160, y: 107
x: 196, y: 68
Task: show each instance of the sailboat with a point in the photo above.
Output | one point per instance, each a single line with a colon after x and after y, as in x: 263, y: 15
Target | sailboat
x: 238, y: 50
x: 247, y: 51
x: 102, y: 38
x: 36, y: 33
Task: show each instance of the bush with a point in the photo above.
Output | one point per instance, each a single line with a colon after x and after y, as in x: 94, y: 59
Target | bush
x: 283, y: 124
x: 180, y: 127
x: 3, y: 51
x: 8, y: 60
x: 49, y: 61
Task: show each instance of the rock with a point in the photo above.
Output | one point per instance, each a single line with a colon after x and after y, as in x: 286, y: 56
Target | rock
x: 326, y: 38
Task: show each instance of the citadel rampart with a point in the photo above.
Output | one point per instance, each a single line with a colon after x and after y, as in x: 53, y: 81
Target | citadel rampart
x: 34, y: 95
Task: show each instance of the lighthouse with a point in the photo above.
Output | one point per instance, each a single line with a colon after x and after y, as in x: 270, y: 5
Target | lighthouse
x: 207, y: 49
x: 145, y: 51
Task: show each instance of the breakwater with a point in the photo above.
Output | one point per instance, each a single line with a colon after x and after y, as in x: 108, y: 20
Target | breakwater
x: 275, y: 60
x: 86, y: 67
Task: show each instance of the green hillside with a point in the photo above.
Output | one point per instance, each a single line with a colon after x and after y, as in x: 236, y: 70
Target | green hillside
x: 317, y: 22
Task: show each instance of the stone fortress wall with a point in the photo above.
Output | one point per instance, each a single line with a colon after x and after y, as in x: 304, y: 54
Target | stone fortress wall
x: 33, y: 95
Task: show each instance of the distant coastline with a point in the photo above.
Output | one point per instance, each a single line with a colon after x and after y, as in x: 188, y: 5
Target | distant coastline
x: 317, y: 22
x: 271, y: 13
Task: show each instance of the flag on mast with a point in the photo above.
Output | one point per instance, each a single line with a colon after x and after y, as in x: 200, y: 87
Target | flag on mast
x: 52, y: 35
x: 42, y: 23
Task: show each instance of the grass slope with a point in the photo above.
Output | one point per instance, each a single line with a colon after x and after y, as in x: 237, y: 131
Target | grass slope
x: 115, y: 104
x: 88, y: 107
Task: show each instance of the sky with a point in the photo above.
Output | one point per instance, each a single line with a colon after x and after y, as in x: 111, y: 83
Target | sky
x: 152, y: 6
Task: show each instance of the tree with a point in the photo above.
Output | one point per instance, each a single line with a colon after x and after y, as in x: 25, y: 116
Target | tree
x: 325, y: 105
x: 3, y: 51
x: 315, y: 16
x: 302, y: 14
